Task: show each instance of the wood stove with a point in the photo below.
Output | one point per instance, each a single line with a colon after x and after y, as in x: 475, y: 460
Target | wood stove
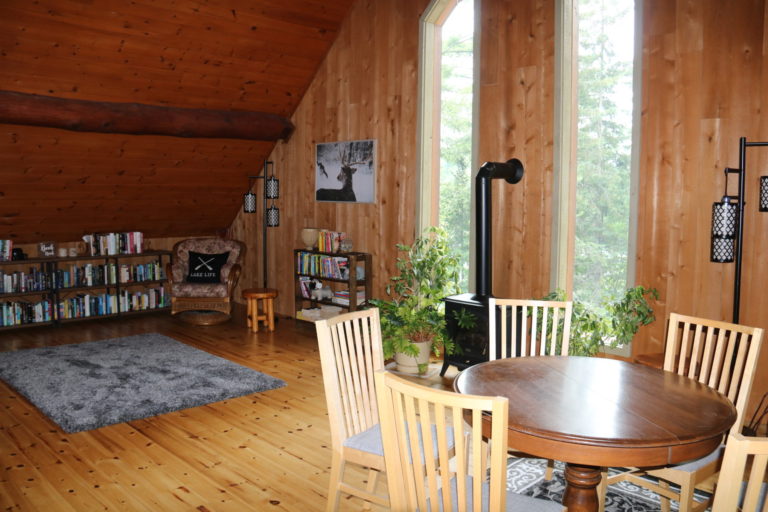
x: 472, y: 345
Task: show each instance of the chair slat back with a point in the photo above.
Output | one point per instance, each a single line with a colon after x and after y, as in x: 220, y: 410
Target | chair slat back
x: 741, y: 452
x: 415, y: 416
x: 544, y: 327
x: 350, y: 352
x: 719, y: 354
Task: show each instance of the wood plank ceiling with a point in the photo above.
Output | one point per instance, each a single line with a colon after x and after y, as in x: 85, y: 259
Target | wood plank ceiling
x: 240, y: 55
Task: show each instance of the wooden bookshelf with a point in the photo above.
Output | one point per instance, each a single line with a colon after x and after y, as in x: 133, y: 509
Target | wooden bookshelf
x: 45, y: 291
x: 339, y: 271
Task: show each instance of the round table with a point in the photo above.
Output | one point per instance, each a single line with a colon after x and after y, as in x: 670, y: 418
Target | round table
x: 593, y: 412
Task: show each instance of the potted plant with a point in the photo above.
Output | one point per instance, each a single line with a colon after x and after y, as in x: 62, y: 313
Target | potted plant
x: 591, y: 331
x: 413, y: 321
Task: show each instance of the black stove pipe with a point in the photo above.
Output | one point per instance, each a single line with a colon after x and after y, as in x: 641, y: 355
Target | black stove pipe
x: 512, y: 171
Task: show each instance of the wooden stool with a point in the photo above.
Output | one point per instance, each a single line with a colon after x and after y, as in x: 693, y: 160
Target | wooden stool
x: 267, y: 315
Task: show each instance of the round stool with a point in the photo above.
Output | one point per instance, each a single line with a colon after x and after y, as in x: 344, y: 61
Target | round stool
x: 267, y: 313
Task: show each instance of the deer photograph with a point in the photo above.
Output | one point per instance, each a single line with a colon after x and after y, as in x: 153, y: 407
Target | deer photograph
x: 345, y: 171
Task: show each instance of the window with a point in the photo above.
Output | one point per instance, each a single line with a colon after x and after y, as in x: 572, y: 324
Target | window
x: 597, y: 142
x: 447, y: 101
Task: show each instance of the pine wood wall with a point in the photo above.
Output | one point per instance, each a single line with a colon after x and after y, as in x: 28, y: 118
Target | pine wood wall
x: 365, y: 89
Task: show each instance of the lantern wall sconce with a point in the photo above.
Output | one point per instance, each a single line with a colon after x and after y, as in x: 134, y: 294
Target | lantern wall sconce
x: 728, y: 221
x: 271, y: 214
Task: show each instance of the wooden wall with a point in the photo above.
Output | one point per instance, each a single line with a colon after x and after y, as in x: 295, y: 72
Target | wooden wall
x: 704, y: 86
x: 517, y: 121
x: 365, y: 89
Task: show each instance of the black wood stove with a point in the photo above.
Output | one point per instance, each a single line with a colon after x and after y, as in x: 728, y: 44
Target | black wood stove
x: 472, y: 345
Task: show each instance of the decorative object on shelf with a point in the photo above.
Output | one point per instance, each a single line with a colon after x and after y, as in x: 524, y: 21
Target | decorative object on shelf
x: 72, y: 252
x: 63, y: 252
x: 351, y: 163
x: 271, y: 214
x: 728, y: 221
x: 309, y: 237
x: 17, y: 254
x: 46, y: 249
x: 346, y: 245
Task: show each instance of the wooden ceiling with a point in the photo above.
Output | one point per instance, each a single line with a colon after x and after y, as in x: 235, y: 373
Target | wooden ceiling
x: 240, y: 55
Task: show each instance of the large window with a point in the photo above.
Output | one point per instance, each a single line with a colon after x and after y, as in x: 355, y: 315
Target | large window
x: 446, y: 132
x: 596, y: 149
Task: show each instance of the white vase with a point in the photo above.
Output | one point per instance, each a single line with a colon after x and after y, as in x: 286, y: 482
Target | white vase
x: 309, y: 237
x: 410, y: 364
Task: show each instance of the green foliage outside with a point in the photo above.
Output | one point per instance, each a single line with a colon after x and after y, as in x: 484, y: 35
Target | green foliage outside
x: 428, y: 272
x: 456, y: 136
x: 603, y: 156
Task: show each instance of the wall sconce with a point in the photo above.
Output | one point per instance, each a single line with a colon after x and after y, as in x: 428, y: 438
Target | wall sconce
x: 728, y: 221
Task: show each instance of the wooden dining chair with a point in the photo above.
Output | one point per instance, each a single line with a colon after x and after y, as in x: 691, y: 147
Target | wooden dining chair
x: 519, y: 328
x: 721, y: 355
x: 731, y: 494
x: 350, y: 352
x: 414, y: 416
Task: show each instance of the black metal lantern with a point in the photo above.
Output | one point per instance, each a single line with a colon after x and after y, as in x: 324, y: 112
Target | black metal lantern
x: 764, y: 193
x: 273, y: 187
x: 273, y: 216
x: 249, y: 202
x: 724, y: 218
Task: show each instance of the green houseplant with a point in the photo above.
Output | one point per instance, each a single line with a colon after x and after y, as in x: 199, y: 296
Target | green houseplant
x: 591, y: 330
x: 413, y: 320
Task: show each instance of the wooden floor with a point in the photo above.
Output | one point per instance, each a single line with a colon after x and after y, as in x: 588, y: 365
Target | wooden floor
x: 266, y: 451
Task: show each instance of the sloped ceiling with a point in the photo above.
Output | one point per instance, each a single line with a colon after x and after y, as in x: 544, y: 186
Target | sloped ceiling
x: 239, y: 55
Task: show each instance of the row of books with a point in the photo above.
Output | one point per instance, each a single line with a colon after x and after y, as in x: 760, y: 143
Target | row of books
x: 342, y: 297
x: 87, y: 305
x: 6, y: 250
x: 330, y: 241
x: 333, y: 267
x: 129, y: 242
x: 14, y: 313
x: 79, y: 275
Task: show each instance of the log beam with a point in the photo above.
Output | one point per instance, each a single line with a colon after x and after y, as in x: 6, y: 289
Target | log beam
x: 139, y: 119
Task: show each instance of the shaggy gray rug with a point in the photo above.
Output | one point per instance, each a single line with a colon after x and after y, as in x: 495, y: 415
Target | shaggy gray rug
x: 90, y: 385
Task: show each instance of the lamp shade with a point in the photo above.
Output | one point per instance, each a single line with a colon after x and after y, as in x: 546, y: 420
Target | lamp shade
x: 273, y: 188
x: 273, y: 216
x: 724, y: 218
x: 249, y: 202
x: 764, y: 193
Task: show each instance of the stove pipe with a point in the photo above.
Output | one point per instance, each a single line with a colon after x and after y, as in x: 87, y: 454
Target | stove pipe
x: 512, y: 171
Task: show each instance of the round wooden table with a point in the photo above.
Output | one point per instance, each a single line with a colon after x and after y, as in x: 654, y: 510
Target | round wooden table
x: 593, y: 412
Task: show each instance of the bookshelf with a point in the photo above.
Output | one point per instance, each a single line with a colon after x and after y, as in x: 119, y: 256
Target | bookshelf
x: 346, y: 274
x: 47, y: 291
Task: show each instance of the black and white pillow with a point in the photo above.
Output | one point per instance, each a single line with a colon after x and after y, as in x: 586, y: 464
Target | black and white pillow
x: 206, y: 268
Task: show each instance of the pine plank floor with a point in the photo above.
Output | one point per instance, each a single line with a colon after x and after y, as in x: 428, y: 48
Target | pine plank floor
x: 266, y: 451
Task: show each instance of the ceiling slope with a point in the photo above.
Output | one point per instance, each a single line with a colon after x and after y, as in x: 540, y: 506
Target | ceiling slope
x: 242, y: 55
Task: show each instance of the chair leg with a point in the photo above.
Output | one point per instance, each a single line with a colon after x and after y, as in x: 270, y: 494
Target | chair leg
x: 550, y: 470
x: 250, y: 313
x: 373, y: 479
x: 686, y: 496
x: 337, y: 469
x: 665, y: 507
x: 602, y: 489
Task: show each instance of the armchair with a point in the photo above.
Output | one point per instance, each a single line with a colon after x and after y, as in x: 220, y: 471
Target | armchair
x: 188, y: 292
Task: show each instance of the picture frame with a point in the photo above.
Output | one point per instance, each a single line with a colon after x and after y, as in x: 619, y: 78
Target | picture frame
x: 46, y: 249
x: 346, y: 171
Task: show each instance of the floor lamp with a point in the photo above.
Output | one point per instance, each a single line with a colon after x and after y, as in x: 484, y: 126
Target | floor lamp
x: 271, y: 215
x: 728, y: 221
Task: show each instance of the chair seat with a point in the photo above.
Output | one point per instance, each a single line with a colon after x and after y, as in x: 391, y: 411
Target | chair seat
x: 370, y: 441
x: 199, y: 290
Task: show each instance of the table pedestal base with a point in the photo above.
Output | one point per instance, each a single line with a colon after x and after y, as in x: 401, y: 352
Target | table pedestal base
x: 581, y: 488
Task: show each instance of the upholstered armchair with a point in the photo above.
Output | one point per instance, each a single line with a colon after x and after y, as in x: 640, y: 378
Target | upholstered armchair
x: 204, y: 273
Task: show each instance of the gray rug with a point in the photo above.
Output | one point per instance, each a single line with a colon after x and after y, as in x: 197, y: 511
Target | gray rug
x: 90, y: 385
x: 526, y: 476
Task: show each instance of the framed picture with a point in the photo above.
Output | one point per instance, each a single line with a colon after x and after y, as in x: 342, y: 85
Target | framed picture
x: 346, y: 171
x: 46, y: 249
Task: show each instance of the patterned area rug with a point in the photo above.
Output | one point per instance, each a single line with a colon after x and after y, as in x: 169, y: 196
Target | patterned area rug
x: 526, y: 476
x: 90, y: 385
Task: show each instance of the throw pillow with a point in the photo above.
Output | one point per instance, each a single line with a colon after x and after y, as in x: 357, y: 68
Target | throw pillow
x: 206, y: 268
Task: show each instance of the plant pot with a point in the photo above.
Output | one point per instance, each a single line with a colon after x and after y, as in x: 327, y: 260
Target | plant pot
x: 410, y: 364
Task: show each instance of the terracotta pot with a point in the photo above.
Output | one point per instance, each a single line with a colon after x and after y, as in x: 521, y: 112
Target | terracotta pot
x: 410, y: 364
